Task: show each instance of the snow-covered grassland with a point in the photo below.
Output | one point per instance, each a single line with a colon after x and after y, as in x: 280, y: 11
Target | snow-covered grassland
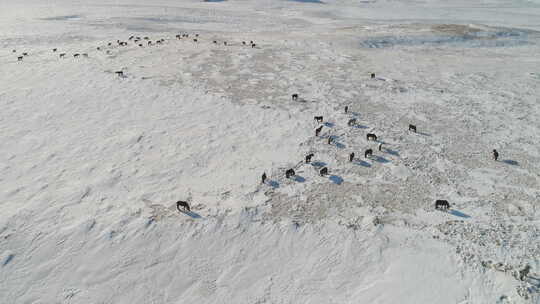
x: 91, y: 164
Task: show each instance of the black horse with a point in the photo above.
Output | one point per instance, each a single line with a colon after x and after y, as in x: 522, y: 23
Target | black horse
x: 318, y: 131
x: 351, y: 157
x: 371, y: 136
x: 308, y: 158
x: 323, y: 171
x: 369, y: 152
x: 442, y: 204
x: 412, y: 128
x: 294, y: 97
x: 495, y: 154
x: 318, y: 118
x: 184, y: 205
x: 289, y: 173
x: 264, y: 177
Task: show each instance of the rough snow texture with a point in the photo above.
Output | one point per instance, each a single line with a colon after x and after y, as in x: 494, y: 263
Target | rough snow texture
x: 92, y: 163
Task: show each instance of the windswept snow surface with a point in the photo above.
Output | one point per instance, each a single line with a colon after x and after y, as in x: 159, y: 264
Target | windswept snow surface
x: 91, y: 163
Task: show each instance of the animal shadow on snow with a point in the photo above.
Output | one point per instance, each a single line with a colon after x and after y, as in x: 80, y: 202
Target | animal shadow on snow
x: 381, y: 159
x: 340, y: 145
x: 357, y: 126
x: 299, y: 178
x: 458, y: 213
x: 329, y: 124
x: 392, y: 152
x: 318, y: 164
x: 363, y: 163
x: 423, y: 133
x: 510, y: 162
x: 192, y: 214
x: 273, y: 184
x: 336, y: 179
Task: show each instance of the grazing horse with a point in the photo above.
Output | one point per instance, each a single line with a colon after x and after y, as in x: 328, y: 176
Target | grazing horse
x: 243, y: 42
x: 20, y: 58
x: 346, y: 109
x: 318, y: 130
x: 131, y: 37
x: 75, y: 55
x: 109, y: 44
x: 178, y: 37
x: 98, y: 48
x: 289, y: 173
x: 372, y: 75
x: 371, y: 136
x: 318, y: 118
x: 14, y: 51
x: 54, y: 50
x: 62, y: 55
x: 253, y: 45
x: 146, y: 38
x: 495, y: 154
x: 119, y: 73
x: 412, y: 128
x: 263, y: 177
x: 323, y: 171
x: 140, y: 44
x: 294, y: 97
x: 308, y: 157
x: 351, y: 157
x: 195, y: 40
x: 184, y: 205
x: 351, y: 122
x: 442, y: 204
x: 25, y: 54
x: 368, y: 153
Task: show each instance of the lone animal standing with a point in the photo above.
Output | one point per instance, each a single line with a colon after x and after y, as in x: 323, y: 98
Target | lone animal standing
x: 369, y: 152
x: 371, y: 136
x: 495, y: 154
x: 412, y: 128
x: 184, y: 205
x: 442, y: 204
x: 318, y: 131
x: 351, y: 157
x: 263, y: 177
x: 323, y: 171
x: 318, y: 118
x: 346, y: 109
x: 289, y: 173
x: 294, y: 97
x: 308, y: 158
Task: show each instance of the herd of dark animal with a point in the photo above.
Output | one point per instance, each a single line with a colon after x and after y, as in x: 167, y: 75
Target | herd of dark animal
x: 439, y: 204
x: 137, y: 41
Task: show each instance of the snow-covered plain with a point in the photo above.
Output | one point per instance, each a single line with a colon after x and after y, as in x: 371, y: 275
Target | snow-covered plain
x: 92, y: 163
